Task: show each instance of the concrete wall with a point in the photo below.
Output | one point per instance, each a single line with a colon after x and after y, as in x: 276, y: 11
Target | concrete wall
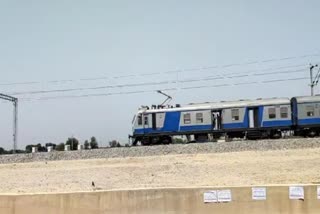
x: 169, y: 201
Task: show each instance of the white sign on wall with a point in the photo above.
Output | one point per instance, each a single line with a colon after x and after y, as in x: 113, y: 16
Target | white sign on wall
x: 217, y: 196
x: 210, y: 197
x: 224, y: 195
x: 318, y: 192
x: 259, y: 193
x: 296, y: 192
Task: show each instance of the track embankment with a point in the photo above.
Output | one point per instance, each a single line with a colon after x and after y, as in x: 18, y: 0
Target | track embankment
x: 159, y: 150
x: 278, y: 165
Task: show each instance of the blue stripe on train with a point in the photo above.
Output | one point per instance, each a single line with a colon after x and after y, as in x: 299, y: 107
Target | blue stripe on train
x: 196, y: 128
x: 138, y: 131
x: 309, y: 121
x: 276, y: 123
x: 234, y: 125
x: 182, y: 129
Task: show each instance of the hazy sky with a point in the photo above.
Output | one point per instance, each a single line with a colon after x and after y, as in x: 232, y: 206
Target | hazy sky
x: 43, y: 41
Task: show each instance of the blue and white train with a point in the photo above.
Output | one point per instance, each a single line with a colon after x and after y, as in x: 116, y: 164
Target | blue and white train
x: 250, y: 119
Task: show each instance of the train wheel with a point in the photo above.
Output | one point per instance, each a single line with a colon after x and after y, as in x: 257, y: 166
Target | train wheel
x: 312, y: 133
x: 276, y: 135
x: 167, y: 140
x: 146, y: 141
x: 155, y: 140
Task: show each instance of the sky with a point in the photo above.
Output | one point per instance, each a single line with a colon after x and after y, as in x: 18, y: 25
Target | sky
x: 142, y: 46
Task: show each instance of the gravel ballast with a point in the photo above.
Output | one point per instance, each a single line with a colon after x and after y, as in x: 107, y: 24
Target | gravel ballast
x: 159, y: 150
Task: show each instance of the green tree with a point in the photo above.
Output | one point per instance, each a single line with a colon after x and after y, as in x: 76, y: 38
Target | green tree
x: 86, y: 144
x: 29, y: 148
x: 2, y: 151
x: 73, y: 142
x: 18, y: 151
x: 41, y: 148
x: 114, y: 143
x: 60, y: 147
x: 94, y: 143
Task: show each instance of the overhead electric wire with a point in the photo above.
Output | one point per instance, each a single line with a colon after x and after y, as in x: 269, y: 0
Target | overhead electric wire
x: 20, y: 83
x: 247, y: 63
x: 95, y: 95
x: 166, y: 72
x: 163, y: 89
x: 205, y: 86
x: 93, y: 88
x: 207, y: 78
x: 283, y: 80
x: 245, y: 83
x: 279, y: 72
x: 271, y: 69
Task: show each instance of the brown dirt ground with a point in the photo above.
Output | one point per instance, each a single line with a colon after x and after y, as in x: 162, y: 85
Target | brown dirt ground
x: 224, y: 169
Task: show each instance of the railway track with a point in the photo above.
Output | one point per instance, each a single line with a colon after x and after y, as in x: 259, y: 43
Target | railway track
x: 172, y: 149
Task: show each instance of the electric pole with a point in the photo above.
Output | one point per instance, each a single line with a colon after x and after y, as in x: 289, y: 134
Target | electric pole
x: 313, y: 81
x: 14, y: 100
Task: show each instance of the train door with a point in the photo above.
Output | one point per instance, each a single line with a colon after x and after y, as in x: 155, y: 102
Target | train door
x: 216, y: 120
x: 146, y: 124
x: 159, y: 120
x: 253, y: 114
x: 154, y: 121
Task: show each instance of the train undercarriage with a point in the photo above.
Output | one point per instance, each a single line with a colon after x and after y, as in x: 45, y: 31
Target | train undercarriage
x: 227, y: 135
x: 214, y: 136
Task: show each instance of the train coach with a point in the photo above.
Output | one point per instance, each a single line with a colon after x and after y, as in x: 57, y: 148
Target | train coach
x: 250, y: 119
x: 306, y: 115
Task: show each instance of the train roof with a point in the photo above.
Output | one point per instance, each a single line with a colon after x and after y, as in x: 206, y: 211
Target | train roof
x: 307, y: 99
x: 222, y: 105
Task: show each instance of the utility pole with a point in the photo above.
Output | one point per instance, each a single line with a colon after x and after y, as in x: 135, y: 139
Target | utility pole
x: 313, y: 81
x: 14, y: 100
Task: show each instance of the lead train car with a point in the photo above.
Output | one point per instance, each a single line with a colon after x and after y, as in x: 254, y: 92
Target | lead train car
x: 245, y: 118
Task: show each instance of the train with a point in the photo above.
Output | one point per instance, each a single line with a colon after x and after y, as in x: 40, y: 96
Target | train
x: 245, y: 119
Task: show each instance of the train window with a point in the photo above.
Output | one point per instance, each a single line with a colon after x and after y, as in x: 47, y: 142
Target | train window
x: 199, y: 117
x: 187, y: 118
x: 139, y: 119
x: 235, y: 114
x: 310, y: 111
x: 272, y: 113
x: 284, y: 112
x: 146, y: 121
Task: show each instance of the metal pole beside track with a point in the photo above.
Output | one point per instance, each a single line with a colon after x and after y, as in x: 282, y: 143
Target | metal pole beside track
x: 311, y: 79
x: 313, y: 82
x: 14, y: 100
x: 15, y: 126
